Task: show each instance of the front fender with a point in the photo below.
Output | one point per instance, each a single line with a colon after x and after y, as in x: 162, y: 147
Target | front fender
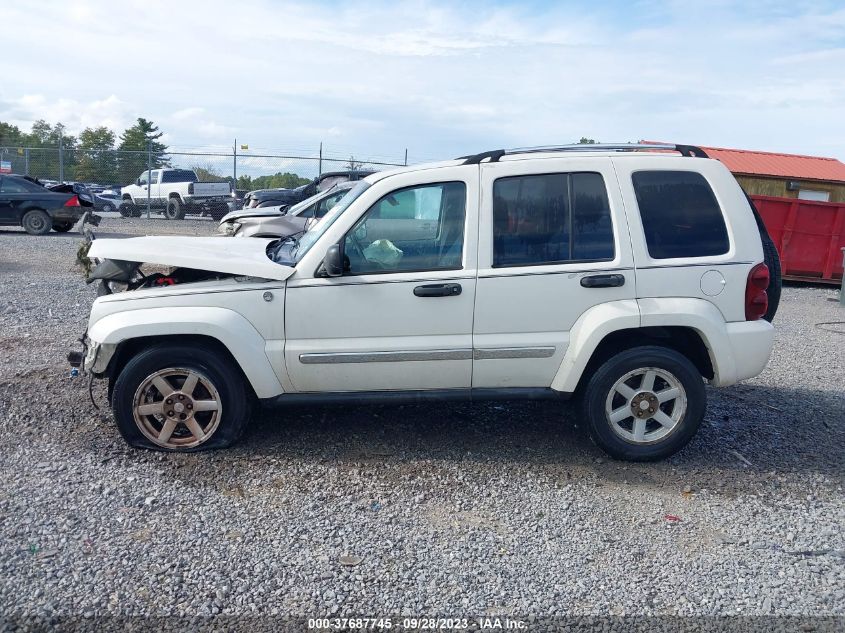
x: 228, y: 327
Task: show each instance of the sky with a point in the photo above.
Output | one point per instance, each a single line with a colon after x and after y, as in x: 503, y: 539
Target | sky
x: 441, y: 79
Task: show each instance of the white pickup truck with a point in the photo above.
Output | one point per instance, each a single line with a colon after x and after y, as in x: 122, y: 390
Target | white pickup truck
x: 175, y: 192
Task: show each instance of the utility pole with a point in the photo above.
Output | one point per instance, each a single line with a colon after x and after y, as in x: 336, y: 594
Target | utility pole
x: 406, y: 157
x: 61, y: 160
x: 235, y: 165
x: 149, y: 173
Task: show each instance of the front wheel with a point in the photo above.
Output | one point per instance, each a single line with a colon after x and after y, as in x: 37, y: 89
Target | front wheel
x: 180, y: 398
x: 644, y: 404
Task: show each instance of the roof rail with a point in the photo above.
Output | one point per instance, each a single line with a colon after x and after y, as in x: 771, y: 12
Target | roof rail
x: 495, y: 155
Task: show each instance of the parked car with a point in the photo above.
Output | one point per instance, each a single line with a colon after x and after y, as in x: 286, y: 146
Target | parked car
x: 176, y: 192
x: 25, y: 202
x: 621, y: 274
x: 108, y: 200
x: 287, y: 197
x: 282, y: 221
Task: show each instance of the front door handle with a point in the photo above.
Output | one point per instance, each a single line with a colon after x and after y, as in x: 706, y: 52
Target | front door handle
x: 438, y: 290
x: 603, y: 281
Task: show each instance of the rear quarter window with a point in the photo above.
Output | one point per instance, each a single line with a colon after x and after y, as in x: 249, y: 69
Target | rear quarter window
x: 680, y: 215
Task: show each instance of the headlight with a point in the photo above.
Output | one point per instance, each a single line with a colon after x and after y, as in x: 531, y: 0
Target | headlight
x: 228, y: 228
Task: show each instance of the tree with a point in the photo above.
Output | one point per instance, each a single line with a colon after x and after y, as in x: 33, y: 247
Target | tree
x: 207, y: 173
x: 279, y: 180
x: 587, y: 141
x: 10, y: 135
x: 96, y: 160
x: 45, y: 139
x: 353, y: 165
x: 136, y: 145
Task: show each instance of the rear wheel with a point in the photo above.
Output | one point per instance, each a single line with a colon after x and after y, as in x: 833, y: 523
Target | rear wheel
x: 217, y: 210
x: 36, y: 222
x: 644, y: 404
x: 62, y: 227
x: 180, y: 398
x: 174, y: 209
x: 129, y: 209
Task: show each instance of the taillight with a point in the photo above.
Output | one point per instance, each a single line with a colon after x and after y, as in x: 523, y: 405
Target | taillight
x: 756, y: 299
x: 73, y: 202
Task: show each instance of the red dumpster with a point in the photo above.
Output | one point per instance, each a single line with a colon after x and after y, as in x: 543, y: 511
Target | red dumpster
x: 809, y: 236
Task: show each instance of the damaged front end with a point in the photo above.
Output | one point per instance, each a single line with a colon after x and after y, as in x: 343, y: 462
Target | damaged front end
x: 116, y: 275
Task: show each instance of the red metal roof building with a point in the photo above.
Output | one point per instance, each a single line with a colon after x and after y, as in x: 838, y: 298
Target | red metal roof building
x: 784, y: 175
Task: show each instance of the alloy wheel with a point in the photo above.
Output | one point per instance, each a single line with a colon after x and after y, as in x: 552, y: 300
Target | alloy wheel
x: 177, y: 408
x: 645, y: 405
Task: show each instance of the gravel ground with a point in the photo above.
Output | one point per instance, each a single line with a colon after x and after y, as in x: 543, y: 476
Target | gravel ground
x: 437, y: 509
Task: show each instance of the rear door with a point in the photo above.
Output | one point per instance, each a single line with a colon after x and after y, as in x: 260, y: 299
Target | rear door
x: 553, y: 243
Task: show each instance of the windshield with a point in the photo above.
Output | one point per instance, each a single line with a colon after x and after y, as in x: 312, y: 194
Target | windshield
x: 299, y: 206
x: 290, y: 251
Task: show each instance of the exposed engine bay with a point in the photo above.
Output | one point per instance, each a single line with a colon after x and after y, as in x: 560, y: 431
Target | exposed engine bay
x: 117, y: 275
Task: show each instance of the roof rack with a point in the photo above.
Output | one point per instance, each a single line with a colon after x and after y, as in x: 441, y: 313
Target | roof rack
x: 495, y: 155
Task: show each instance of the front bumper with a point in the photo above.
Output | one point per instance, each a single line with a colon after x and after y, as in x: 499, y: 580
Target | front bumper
x: 94, y: 357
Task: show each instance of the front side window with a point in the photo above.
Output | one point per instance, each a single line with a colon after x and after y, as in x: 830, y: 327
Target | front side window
x: 551, y: 219
x: 143, y: 179
x: 680, y: 215
x: 154, y: 181
x: 413, y: 229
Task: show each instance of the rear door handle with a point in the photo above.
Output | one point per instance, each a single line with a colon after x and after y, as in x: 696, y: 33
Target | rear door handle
x: 603, y: 281
x: 438, y: 290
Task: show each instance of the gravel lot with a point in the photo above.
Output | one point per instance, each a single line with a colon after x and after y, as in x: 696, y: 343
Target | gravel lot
x: 445, y: 509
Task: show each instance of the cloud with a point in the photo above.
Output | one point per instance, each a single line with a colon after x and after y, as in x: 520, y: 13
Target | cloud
x: 439, y: 78
x: 110, y: 112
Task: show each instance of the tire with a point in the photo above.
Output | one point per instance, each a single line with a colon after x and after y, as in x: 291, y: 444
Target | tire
x: 36, y: 222
x: 129, y: 209
x: 772, y: 259
x: 216, y: 381
x: 107, y: 207
x: 218, y: 210
x: 174, y: 210
x: 63, y: 227
x: 683, y: 414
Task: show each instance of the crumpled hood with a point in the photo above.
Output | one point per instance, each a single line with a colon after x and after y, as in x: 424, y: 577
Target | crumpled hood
x: 246, y: 257
x: 255, y: 212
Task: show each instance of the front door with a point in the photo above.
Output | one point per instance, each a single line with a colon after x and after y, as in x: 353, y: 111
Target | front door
x: 553, y: 243
x: 400, y: 318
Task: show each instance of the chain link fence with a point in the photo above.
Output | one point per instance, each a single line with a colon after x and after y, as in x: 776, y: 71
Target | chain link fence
x: 105, y: 171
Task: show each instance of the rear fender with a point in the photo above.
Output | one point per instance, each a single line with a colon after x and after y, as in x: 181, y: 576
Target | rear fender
x: 587, y: 333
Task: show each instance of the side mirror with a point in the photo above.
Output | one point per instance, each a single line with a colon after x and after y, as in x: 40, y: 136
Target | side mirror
x: 137, y: 182
x: 333, y: 262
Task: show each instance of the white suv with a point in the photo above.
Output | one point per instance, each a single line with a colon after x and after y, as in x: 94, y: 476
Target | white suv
x: 628, y: 275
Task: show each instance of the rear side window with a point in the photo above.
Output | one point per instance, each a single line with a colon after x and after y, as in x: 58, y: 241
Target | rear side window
x: 680, y: 215
x: 179, y: 175
x: 551, y: 219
